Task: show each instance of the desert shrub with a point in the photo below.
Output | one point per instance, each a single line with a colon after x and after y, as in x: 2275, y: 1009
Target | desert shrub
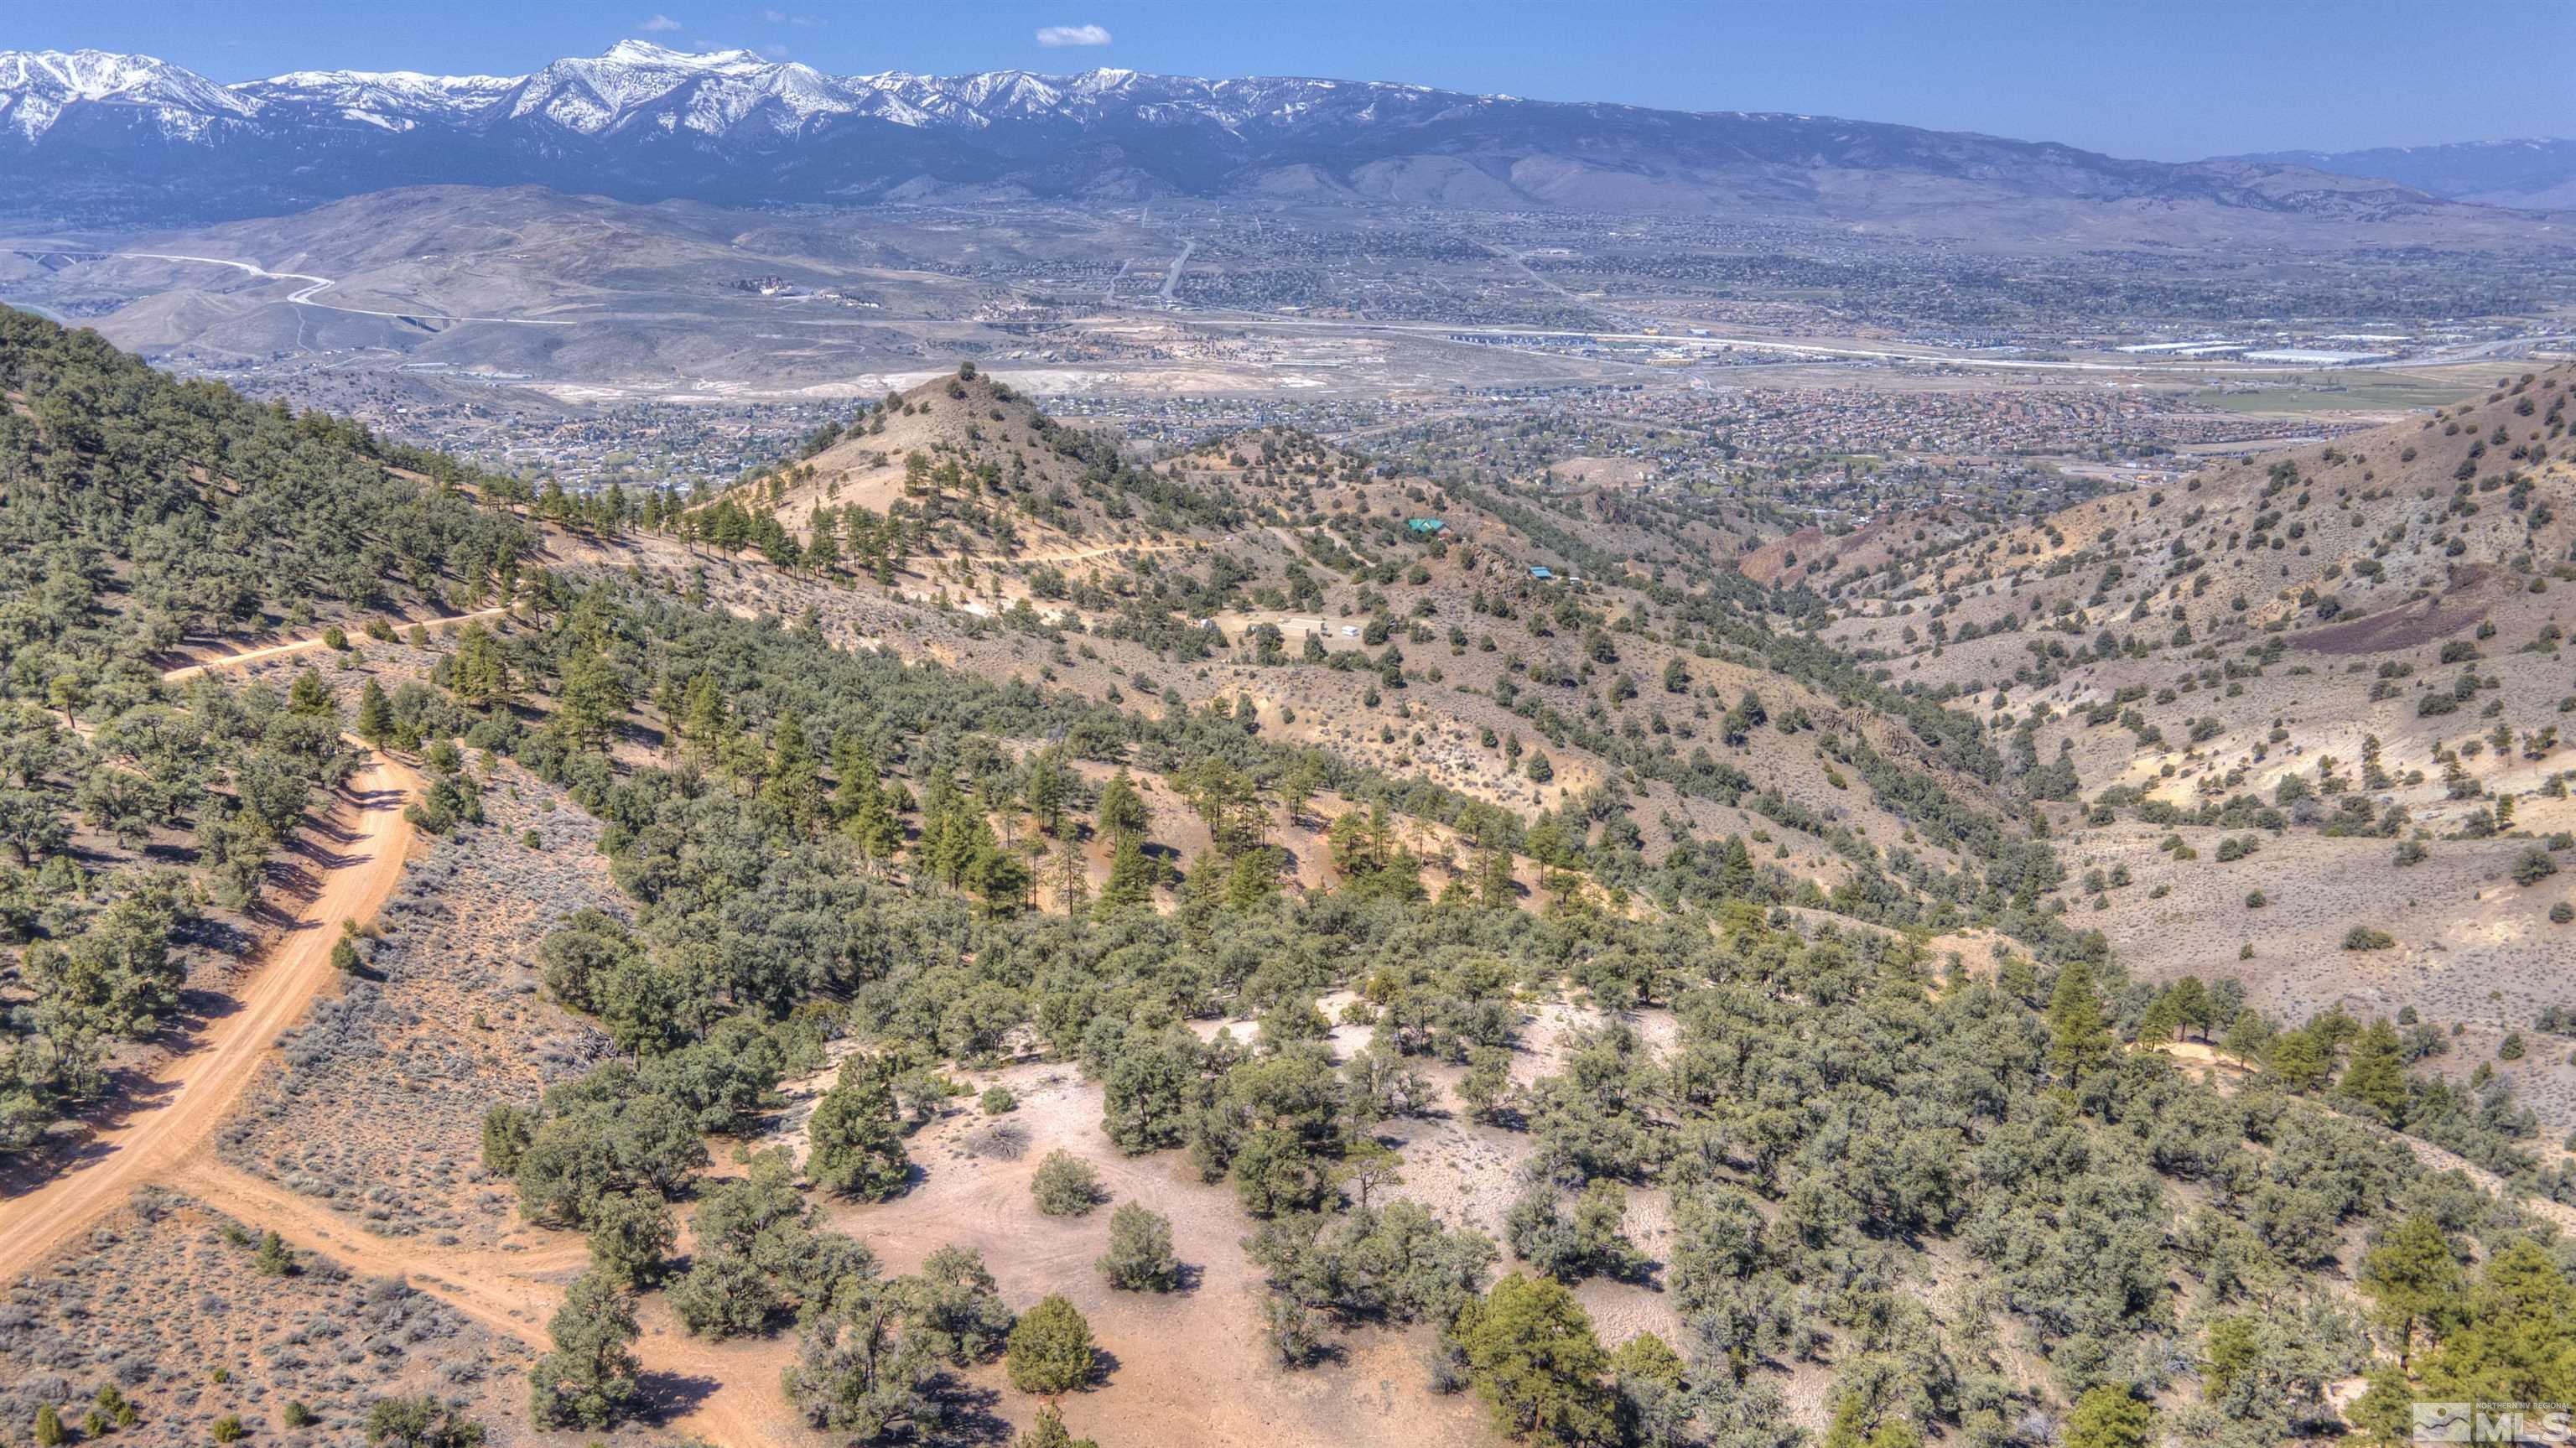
x: 1140, y: 1257
x: 1066, y: 1186
x: 422, y: 1422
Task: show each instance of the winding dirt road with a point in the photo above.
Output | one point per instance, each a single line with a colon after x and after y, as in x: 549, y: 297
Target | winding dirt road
x: 360, y: 849
x: 723, y: 1393
x: 298, y: 646
x: 304, y: 296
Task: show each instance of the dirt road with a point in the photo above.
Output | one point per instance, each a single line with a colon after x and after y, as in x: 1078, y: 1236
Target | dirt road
x: 363, y: 840
x: 1077, y: 555
x: 722, y: 1393
x: 297, y: 646
x: 361, y: 847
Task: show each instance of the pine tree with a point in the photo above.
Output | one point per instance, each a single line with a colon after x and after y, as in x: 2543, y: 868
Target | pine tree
x: 480, y: 675
x: 1046, y: 791
x: 591, y: 700
x: 1735, y: 877
x: 2375, y: 1076
x: 309, y: 698
x: 857, y: 1147
x: 995, y: 875
x: 2248, y: 1037
x: 1534, y: 1358
x: 2414, y: 1282
x: 703, y: 719
x: 2300, y: 1060
x: 2162, y: 1022
x: 2080, y: 1039
x: 1121, y: 812
x: 793, y: 789
x: 2517, y: 1343
x: 2192, y: 1004
x: 867, y: 808
x: 375, y: 713
x: 1132, y: 875
x: 1073, y: 875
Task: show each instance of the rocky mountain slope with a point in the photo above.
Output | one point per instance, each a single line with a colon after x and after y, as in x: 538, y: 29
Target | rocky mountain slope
x: 2299, y: 696
x: 119, y: 137
x: 730, y: 852
x: 2538, y: 173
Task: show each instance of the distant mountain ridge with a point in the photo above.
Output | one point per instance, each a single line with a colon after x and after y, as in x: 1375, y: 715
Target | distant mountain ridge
x: 106, y: 137
x: 2537, y: 172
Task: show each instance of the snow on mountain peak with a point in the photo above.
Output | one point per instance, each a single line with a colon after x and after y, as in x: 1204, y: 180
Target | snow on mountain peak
x: 637, y: 83
x: 36, y: 86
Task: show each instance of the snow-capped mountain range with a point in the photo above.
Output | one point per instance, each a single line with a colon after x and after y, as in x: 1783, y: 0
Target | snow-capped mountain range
x: 720, y: 94
x: 88, y: 136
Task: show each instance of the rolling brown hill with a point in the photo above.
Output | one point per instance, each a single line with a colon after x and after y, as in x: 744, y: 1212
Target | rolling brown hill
x: 2349, y: 657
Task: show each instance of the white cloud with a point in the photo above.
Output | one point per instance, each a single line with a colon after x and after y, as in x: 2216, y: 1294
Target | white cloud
x: 659, y: 23
x: 785, y: 17
x: 1052, y: 36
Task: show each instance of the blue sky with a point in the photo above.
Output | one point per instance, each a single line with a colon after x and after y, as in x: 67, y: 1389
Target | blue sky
x: 2171, y: 80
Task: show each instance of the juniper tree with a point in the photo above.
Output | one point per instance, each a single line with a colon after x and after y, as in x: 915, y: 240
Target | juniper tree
x: 1140, y: 1257
x: 1050, y: 1349
x: 591, y: 1379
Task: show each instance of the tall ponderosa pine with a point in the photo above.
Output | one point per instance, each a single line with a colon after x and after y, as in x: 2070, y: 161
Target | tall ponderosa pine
x: 857, y: 1145
x: 591, y: 699
x: 375, y: 713
x: 2414, y: 1282
x: 792, y: 790
x: 478, y: 673
x: 1132, y: 876
x: 2375, y: 1074
x: 1121, y: 812
x: 2079, y: 1038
